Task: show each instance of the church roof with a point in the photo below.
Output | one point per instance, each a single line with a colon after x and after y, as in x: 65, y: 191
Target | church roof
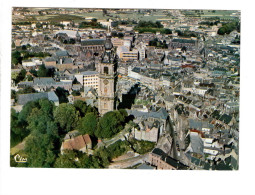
x: 93, y: 42
x: 24, y: 98
x: 61, y: 53
x: 183, y: 40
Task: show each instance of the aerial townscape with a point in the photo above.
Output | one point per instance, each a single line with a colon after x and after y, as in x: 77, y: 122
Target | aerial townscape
x: 125, y: 88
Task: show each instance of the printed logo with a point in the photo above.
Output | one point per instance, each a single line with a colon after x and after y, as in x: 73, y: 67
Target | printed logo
x: 20, y: 159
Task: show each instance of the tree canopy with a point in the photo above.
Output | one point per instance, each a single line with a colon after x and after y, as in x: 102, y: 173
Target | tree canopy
x: 66, y: 116
x: 110, y: 124
x: 83, y: 108
x: 88, y: 124
x: 62, y: 94
x: 40, y: 151
x: 18, y: 130
x: 42, y: 72
x: 43, y: 143
x: 17, y: 77
x: 16, y: 57
x: 227, y: 28
x: 75, y: 159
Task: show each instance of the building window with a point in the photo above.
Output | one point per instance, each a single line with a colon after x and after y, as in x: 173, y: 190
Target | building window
x: 106, y: 70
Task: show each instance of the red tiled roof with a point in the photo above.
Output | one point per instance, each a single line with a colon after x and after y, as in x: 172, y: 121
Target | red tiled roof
x: 87, y: 139
x: 67, y: 145
x: 77, y: 143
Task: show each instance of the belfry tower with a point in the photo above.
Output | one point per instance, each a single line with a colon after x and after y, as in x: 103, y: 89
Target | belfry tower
x: 107, y: 79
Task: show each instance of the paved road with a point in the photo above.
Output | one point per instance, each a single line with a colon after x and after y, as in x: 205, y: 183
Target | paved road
x: 170, y: 129
x: 129, y: 162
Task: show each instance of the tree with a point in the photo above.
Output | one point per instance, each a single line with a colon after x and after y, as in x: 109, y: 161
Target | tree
x: 40, y: 151
x: 94, y: 20
x: 159, y: 25
x: 110, y: 124
x: 18, y: 131
x: 86, y: 161
x: 222, y: 31
x: 16, y: 57
x: 24, y: 47
x: 50, y: 72
x: 27, y: 89
x: 81, y: 106
x: 123, y: 114
x: 17, y: 77
x: 62, y: 94
x: 22, y: 75
x: 76, y: 93
x: 44, y: 105
x: 66, y: 116
x: 34, y: 72
x: 38, y: 25
x: 167, y: 31
x: 142, y: 146
x: 103, y: 156
x: 40, y: 120
x: 67, y: 160
x: 29, y: 78
x: 75, y: 159
x: 26, y: 110
x: 184, y: 49
x: 13, y: 44
x: 14, y: 76
x: 14, y: 95
x: 228, y: 28
x: 88, y: 124
x: 42, y: 72
x: 47, y: 107
x: 43, y: 144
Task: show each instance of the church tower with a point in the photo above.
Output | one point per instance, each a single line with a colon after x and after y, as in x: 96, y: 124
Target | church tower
x: 107, y: 79
x: 78, y: 37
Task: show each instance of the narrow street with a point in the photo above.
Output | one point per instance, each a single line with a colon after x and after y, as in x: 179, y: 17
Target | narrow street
x: 173, y: 150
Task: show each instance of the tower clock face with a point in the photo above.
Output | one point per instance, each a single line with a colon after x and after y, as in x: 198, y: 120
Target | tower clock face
x: 106, y: 82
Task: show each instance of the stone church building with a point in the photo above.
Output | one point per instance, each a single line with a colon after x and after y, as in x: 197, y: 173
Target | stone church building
x: 107, y: 69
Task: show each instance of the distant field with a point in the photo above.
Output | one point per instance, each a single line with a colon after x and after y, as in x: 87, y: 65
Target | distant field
x: 222, y: 14
x: 130, y: 16
x: 154, y: 16
x: 98, y: 15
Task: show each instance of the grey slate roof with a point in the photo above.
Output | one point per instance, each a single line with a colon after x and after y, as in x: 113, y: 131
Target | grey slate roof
x: 136, y: 69
x: 44, y: 81
x: 50, y: 59
x: 198, y: 125
x: 225, y: 118
x: 160, y: 114
x: 89, y: 72
x: 197, y: 144
x: 144, y: 166
x: 183, y: 40
x: 67, y: 61
x: 24, y: 98
x: 61, y: 53
x: 52, y: 96
x: 93, y: 42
